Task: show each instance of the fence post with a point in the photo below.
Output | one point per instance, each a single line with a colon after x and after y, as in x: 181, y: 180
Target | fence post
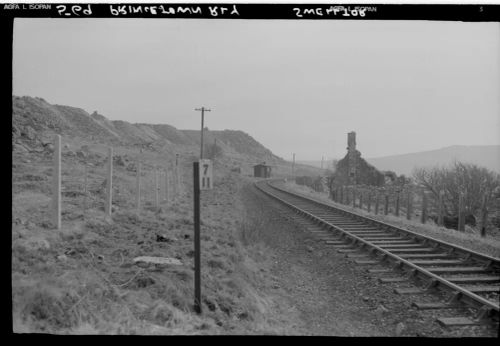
x: 138, y: 187
x: 178, y: 175
x: 461, y: 216
x: 369, y: 201
x: 408, y: 206
x: 440, y: 208
x: 397, y: 204
x: 377, y: 197
x: 56, y: 189
x: 423, y: 217
x: 166, y: 184
x: 157, y: 194
x: 484, y: 216
x: 109, y: 185
x: 386, y: 204
x: 85, y: 191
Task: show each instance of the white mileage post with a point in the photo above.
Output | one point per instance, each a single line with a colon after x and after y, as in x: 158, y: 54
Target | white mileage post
x: 202, y: 180
x: 206, y: 175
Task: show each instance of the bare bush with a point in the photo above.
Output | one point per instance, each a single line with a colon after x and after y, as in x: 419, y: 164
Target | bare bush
x: 478, y: 184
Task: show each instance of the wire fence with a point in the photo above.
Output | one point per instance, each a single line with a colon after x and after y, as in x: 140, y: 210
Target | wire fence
x: 135, y: 183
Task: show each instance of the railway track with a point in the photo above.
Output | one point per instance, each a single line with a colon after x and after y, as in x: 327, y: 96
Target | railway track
x: 466, y: 278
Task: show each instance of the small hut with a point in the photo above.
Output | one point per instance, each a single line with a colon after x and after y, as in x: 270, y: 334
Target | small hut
x: 262, y: 170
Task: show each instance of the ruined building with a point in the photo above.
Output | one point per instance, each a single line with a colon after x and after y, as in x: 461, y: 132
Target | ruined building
x: 354, y: 170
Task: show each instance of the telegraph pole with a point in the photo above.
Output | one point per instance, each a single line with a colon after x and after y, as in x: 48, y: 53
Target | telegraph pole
x: 322, y: 157
x: 293, y: 166
x: 203, y: 110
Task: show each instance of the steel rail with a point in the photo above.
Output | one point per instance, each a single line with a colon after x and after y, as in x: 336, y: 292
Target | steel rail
x: 489, y: 259
x: 437, y: 279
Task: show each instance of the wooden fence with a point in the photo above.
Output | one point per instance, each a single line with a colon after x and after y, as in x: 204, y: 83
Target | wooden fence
x: 410, y: 202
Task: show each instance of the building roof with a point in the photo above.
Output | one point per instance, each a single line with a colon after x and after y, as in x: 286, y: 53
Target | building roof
x: 261, y: 165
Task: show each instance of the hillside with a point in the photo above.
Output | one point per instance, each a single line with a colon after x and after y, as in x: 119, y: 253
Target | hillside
x: 486, y: 156
x: 34, y: 121
x: 85, y: 277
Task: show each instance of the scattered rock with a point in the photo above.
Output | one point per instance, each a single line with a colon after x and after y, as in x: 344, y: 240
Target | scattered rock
x: 30, y: 225
x: 400, y: 328
x: 36, y: 243
x: 20, y: 221
x: 145, y: 282
x: 164, y: 239
x: 131, y: 167
x: 80, y: 154
x: 309, y: 248
x: 119, y: 161
x: 187, y: 236
x: 66, y: 146
x: 49, y: 147
x: 70, y: 252
x: 157, y: 260
x: 381, y: 309
x: 62, y: 258
x: 28, y: 132
x: 276, y: 286
x: 19, y: 148
x: 366, y: 299
x: 46, y: 224
x: 15, y: 130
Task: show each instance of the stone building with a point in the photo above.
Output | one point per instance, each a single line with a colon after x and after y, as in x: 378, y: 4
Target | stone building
x: 354, y: 170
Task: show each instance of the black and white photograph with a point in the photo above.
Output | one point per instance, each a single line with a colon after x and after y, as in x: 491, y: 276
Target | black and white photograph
x: 276, y: 168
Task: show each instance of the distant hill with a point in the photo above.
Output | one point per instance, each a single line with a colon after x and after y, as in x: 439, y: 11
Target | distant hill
x: 487, y: 156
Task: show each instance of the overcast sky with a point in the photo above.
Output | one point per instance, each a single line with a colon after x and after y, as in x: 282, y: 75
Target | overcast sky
x: 295, y: 86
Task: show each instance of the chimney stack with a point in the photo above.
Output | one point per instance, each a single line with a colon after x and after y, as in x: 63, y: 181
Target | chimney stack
x: 351, y: 141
